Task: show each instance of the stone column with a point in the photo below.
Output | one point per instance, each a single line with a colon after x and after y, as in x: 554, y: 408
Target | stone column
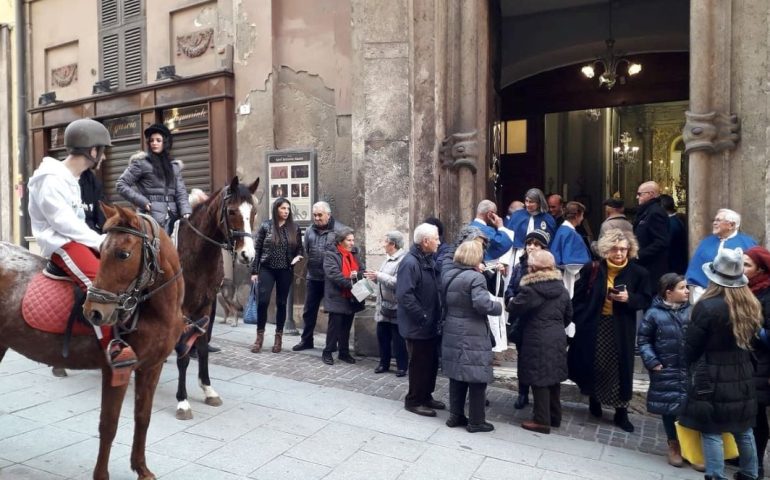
x: 7, y: 181
x: 710, y: 132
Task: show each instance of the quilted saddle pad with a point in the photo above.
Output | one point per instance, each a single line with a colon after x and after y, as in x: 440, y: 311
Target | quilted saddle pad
x: 47, y: 305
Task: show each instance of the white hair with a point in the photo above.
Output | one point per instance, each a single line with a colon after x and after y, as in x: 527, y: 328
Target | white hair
x: 731, y: 216
x: 423, y: 231
x: 324, y: 206
x: 486, y: 206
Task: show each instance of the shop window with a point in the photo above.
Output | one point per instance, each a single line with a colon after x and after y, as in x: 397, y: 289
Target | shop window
x: 122, y: 42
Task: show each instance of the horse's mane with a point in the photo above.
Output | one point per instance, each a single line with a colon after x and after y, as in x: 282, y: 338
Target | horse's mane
x: 241, y: 194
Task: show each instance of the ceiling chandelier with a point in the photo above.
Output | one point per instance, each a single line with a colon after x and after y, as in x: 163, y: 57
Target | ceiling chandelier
x: 625, y: 155
x: 611, y: 63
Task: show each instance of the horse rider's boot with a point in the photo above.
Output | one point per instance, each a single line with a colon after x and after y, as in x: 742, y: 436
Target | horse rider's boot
x: 278, y: 342
x: 257, y: 347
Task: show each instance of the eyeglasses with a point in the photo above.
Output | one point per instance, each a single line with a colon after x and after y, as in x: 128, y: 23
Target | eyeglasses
x: 720, y: 220
x: 639, y: 194
x: 619, y: 249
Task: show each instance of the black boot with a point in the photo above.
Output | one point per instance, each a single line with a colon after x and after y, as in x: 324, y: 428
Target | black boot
x: 521, y: 401
x: 594, y: 407
x: 622, y: 421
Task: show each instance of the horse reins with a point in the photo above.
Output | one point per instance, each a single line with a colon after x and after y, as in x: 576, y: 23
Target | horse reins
x: 231, y: 236
x: 128, y: 301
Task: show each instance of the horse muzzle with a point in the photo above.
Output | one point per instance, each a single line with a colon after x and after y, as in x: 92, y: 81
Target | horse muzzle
x: 100, y: 314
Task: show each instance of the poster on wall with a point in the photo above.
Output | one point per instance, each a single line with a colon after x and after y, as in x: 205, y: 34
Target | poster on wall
x: 292, y: 175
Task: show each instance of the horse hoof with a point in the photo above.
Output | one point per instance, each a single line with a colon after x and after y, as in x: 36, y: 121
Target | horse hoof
x: 149, y: 476
x: 213, y: 401
x: 182, y: 414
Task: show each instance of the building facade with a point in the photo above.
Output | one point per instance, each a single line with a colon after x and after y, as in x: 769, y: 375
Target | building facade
x: 384, y: 108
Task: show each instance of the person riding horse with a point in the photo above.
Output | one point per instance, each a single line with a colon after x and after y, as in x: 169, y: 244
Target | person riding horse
x: 55, y: 206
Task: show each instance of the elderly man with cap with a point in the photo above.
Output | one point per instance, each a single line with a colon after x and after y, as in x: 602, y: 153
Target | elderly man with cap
x: 725, y: 234
x: 615, y: 217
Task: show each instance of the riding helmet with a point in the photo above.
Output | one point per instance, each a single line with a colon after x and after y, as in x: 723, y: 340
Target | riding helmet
x: 86, y: 133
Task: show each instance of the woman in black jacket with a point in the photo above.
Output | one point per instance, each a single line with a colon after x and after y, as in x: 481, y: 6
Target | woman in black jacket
x: 536, y: 240
x: 153, y: 181
x: 721, y: 397
x: 756, y: 267
x: 661, y: 346
x: 342, y: 268
x: 607, y: 296
x: 278, y: 247
x: 544, y: 309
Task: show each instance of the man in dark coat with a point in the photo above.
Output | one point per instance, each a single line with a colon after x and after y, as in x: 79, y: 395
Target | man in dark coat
x: 651, y: 228
x: 418, y: 314
x: 318, y: 237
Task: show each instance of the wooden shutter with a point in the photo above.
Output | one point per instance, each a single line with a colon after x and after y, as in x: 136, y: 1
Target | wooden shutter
x: 114, y: 166
x: 133, y: 57
x: 192, y: 148
x: 122, y: 26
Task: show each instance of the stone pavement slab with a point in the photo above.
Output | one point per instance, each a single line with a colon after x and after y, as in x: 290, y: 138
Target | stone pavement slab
x: 276, y: 427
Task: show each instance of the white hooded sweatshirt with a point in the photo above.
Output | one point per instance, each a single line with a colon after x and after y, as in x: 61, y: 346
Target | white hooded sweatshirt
x: 56, y: 210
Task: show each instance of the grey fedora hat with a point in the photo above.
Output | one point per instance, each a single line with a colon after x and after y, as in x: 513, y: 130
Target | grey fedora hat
x: 727, y: 268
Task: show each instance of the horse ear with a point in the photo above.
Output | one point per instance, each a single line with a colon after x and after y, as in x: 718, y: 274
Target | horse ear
x: 234, y: 184
x: 123, y: 213
x: 109, y: 210
x: 253, y: 186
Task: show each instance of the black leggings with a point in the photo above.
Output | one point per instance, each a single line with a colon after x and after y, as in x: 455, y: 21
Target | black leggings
x: 282, y: 279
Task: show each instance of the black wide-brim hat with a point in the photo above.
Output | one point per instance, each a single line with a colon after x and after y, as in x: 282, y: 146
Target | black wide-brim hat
x: 157, y: 128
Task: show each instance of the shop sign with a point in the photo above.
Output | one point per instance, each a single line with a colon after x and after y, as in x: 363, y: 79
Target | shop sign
x: 123, y: 127
x: 186, y: 117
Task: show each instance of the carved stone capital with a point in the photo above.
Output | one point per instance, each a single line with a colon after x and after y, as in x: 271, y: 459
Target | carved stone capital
x: 711, y: 132
x: 459, y: 150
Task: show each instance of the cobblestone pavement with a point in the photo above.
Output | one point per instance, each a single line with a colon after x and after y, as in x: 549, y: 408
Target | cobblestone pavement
x: 306, y: 366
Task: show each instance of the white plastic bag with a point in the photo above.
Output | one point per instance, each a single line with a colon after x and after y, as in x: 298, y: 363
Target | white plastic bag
x: 497, y: 322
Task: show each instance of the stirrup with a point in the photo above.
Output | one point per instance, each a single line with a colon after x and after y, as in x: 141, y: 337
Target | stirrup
x: 192, y: 331
x: 121, y: 359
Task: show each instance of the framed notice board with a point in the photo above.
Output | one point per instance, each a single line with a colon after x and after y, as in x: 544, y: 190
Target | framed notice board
x: 292, y: 174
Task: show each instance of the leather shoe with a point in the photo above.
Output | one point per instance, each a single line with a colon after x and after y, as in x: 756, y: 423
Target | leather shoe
x: 422, y: 410
x: 302, y: 346
x: 556, y: 423
x: 400, y: 373
x: 594, y: 407
x: 327, y: 358
x: 214, y: 349
x: 481, y: 427
x: 456, y: 421
x: 381, y: 369
x: 435, y: 404
x: 536, y: 427
x: 347, y: 359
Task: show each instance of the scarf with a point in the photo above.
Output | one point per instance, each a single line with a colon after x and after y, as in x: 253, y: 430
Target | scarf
x: 349, y: 265
x: 759, y: 282
x: 612, y: 272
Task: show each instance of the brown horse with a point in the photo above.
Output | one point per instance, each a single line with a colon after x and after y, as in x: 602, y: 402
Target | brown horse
x: 223, y: 221
x: 138, y: 261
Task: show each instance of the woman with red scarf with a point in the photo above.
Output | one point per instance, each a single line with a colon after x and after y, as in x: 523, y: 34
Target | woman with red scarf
x: 756, y: 266
x: 342, y: 268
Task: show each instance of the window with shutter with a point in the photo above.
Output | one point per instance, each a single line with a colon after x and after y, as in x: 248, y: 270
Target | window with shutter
x: 122, y: 34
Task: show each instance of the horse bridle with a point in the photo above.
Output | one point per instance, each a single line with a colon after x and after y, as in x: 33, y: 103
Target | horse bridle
x: 231, y: 235
x: 128, y: 301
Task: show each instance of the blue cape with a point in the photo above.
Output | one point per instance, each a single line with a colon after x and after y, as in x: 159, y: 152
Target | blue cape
x: 499, y: 242
x: 568, y: 247
x: 520, y: 220
x: 707, y: 250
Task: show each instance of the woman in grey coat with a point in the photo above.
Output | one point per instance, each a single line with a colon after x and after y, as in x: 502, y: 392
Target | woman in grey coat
x: 153, y: 182
x: 387, y: 304
x: 466, y: 347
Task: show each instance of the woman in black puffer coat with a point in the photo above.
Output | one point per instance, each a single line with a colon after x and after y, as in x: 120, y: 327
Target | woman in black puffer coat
x: 721, y: 396
x: 756, y: 266
x: 661, y: 346
x: 544, y: 309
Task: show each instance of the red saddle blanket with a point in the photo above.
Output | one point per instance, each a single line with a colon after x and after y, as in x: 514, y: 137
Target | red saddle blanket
x: 47, y: 305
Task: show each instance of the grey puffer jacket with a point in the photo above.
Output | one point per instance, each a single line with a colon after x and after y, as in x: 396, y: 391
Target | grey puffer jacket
x: 466, y: 347
x: 661, y: 342
x: 544, y: 309
x: 315, y: 244
x: 139, y: 185
x: 385, y: 286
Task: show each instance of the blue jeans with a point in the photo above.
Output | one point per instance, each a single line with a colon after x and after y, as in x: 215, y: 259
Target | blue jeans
x: 713, y: 453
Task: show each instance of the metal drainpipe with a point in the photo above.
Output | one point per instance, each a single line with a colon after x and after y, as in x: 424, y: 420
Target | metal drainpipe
x: 21, y: 112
